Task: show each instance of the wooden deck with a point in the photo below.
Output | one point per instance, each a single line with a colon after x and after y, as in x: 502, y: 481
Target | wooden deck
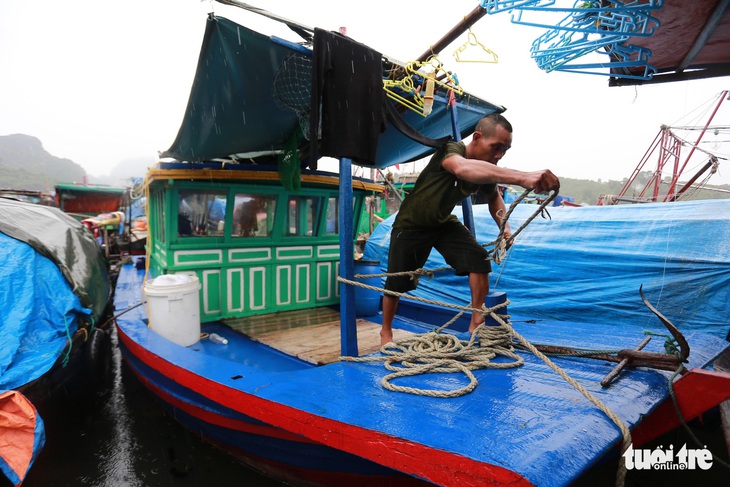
x: 312, y: 335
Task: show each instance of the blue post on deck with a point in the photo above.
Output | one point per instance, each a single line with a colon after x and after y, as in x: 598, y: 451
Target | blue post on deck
x: 348, y: 328
x: 466, y: 208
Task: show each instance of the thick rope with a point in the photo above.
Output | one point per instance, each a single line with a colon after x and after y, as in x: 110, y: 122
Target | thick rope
x: 622, y: 426
x: 431, y: 347
x: 435, y: 352
x: 500, y: 243
x: 415, y: 275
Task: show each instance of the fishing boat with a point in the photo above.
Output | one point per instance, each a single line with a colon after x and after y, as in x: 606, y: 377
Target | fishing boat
x: 252, y: 323
x: 115, y: 215
x: 32, y: 196
x: 86, y: 200
x: 56, y: 293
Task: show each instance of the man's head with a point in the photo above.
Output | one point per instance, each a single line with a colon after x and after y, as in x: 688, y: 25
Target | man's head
x: 492, y: 139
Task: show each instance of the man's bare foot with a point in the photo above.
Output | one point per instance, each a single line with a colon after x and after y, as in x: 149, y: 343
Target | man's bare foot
x: 386, y: 336
x: 473, y: 326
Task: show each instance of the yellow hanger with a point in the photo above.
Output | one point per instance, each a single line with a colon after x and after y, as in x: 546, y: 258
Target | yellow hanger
x: 450, y: 82
x: 472, y: 41
x: 405, y: 85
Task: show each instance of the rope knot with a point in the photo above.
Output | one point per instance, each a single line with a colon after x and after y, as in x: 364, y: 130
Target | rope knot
x: 494, y: 336
x: 423, y: 272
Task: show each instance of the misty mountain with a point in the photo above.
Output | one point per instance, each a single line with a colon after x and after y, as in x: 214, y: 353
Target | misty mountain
x: 123, y: 173
x: 25, y: 164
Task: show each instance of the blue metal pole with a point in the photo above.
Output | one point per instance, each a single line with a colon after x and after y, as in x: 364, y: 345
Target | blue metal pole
x: 348, y: 328
x: 466, y: 208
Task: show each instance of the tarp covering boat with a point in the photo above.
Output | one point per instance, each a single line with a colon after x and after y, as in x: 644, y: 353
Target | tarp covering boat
x: 587, y: 264
x: 64, y: 241
x: 89, y: 199
x: 23, y: 434
x: 39, y: 313
x: 235, y: 110
x: 54, y: 275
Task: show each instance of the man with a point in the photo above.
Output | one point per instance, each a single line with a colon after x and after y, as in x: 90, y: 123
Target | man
x: 424, y: 220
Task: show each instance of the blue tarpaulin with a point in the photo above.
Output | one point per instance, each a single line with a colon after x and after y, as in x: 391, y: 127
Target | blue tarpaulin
x: 38, y: 311
x: 587, y: 264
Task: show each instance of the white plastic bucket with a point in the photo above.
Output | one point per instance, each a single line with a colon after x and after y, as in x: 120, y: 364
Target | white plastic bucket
x: 174, y: 307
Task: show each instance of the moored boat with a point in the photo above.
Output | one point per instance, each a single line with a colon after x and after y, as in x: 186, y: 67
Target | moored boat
x: 243, y: 319
x: 115, y: 215
x: 56, y: 293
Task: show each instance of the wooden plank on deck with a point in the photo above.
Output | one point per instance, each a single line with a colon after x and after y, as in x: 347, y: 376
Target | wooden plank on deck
x: 312, y: 335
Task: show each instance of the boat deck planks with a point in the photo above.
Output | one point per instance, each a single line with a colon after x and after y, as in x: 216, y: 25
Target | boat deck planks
x: 312, y: 335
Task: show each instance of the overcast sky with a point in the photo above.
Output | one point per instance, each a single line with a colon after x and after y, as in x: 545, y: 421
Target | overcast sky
x: 99, y: 82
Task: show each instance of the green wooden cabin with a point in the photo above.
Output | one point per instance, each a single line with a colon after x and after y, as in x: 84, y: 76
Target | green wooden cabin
x: 255, y: 246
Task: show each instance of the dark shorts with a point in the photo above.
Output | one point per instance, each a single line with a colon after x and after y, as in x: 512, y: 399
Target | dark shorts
x: 409, y: 250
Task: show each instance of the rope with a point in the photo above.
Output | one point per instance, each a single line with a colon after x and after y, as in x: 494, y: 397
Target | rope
x: 500, y: 244
x: 436, y: 353
x: 670, y: 344
x: 414, y: 274
x: 70, y: 342
x: 686, y: 427
x: 622, y: 426
x: 497, y: 253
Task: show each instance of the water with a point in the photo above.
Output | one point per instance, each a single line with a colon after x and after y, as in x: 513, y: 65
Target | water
x: 117, y: 435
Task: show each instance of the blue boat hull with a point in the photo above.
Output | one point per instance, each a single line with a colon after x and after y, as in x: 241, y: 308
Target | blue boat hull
x: 335, y: 424
x: 267, y: 449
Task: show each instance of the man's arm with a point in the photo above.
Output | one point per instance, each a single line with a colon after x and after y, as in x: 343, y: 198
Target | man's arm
x: 481, y: 172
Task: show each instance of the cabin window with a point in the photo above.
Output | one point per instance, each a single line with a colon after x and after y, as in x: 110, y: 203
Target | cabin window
x: 303, y: 215
x: 201, y: 212
x: 333, y: 216
x: 253, y: 215
x: 158, y: 209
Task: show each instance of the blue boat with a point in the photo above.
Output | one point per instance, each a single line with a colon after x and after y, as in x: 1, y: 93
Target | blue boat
x: 253, y: 325
x: 56, y: 295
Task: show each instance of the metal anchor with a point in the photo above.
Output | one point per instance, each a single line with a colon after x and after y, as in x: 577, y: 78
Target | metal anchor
x: 637, y: 358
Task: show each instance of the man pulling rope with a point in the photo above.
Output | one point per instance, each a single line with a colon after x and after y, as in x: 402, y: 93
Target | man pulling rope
x: 424, y: 220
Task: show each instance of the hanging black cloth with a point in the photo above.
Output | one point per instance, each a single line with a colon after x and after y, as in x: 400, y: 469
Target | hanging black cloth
x: 347, y: 79
x: 403, y: 127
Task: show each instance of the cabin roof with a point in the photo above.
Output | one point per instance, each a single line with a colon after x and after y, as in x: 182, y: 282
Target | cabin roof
x: 691, y: 42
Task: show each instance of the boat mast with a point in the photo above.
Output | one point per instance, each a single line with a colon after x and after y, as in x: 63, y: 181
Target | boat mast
x: 669, y: 149
x: 670, y: 194
x: 454, y: 33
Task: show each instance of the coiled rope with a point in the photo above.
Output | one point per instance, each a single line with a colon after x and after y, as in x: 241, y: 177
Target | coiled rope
x: 434, y: 352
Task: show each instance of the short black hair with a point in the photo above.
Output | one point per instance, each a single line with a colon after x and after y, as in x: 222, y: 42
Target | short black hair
x: 487, y: 124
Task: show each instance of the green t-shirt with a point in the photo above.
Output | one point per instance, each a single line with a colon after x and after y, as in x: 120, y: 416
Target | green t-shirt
x: 436, y: 192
